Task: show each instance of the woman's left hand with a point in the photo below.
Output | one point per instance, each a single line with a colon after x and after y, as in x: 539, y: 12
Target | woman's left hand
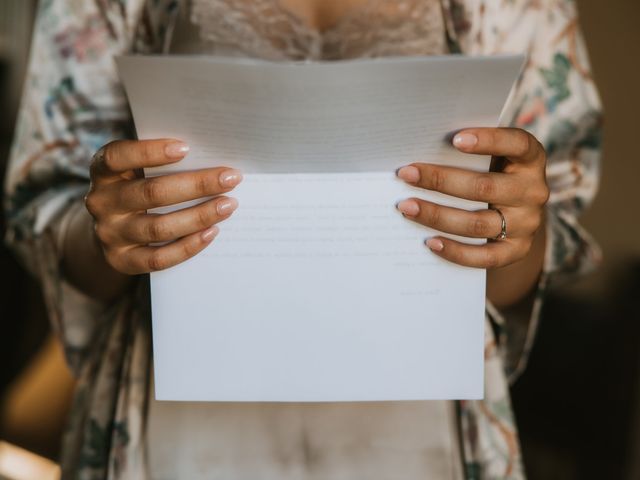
x: 516, y: 186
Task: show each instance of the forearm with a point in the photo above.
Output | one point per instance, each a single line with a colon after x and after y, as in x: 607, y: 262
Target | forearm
x: 82, y: 259
x: 508, y: 286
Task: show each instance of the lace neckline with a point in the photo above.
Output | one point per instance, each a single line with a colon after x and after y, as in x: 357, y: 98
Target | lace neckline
x: 303, y: 25
x: 268, y: 29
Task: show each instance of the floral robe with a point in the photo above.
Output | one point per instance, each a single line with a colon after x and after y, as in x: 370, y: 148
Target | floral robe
x: 73, y: 103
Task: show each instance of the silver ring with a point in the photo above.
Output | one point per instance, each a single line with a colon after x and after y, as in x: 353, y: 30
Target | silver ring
x: 503, y: 225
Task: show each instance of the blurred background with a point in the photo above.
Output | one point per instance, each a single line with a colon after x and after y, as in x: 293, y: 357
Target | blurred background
x: 578, y: 404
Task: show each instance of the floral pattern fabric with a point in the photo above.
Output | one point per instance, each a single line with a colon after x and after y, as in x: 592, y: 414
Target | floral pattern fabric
x: 73, y: 103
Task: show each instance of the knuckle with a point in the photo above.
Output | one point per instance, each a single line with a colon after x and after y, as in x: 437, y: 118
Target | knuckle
x: 491, y: 259
x: 520, y: 250
x: 545, y: 194
x: 189, y: 250
x: 532, y: 222
x: 109, y: 155
x: 103, y: 233
x: 457, y: 255
x: 157, y: 261
x: 201, y: 185
x: 436, y: 178
x: 492, y: 135
x: 534, y: 145
x: 153, y: 191
x: 92, y: 203
x: 479, y: 228
x: 432, y: 214
x: 539, y: 219
x: 538, y: 195
x: 110, y: 258
x: 525, y: 143
x: 146, y: 153
x: 484, y: 187
x: 205, y: 215
x: 158, y: 230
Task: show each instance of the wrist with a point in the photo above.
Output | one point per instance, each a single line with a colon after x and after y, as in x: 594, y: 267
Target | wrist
x: 82, y: 259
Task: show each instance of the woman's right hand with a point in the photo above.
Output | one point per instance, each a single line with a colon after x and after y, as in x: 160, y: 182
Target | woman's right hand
x: 119, y: 198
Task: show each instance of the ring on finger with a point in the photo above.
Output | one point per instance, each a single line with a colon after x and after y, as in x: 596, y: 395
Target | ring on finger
x: 503, y: 225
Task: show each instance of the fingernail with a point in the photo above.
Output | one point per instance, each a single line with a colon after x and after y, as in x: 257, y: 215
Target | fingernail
x: 409, y: 174
x: 227, y: 206
x: 409, y: 207
x: 210, y: 233
x: 435, y: 244
x: 230, y: 178
x: 465, y: 140
x: 176, y: 150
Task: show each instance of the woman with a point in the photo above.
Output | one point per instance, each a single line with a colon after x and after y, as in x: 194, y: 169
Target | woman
x: 87, y: 258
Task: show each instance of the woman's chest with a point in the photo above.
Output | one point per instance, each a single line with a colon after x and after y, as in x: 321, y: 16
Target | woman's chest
x: 310, y: 29
x: 321, y: 15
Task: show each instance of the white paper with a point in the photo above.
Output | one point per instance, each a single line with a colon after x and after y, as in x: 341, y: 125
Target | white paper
x: 317, y: 289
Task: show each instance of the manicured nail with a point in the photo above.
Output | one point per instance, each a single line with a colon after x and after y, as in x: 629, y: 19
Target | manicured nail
x: 435, y: 244
x: 230, y: 178
x: 210, y: 233
x: 465, y: 140
x: 409, y: 207
x: 409, y: 174
x: 227, y: 206
x: 176, y: 150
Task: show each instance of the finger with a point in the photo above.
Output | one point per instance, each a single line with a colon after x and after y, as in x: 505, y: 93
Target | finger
x: 146, y: 259
x: 176, y: 188
x: 149, y: 228
x: 515, y: 144
x: 492, y: 255
x: 497, y: 188
x: 480, y: 224
x: 124, y: 155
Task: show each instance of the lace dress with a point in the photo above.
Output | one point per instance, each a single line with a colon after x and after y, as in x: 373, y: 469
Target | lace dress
x: 379, y: 440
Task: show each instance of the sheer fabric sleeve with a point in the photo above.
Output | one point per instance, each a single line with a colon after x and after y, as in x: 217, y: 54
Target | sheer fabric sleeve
x: 72, y: 104
x: 556, y: 100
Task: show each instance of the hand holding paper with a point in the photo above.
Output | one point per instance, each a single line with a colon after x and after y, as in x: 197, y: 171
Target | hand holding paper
x: 118, y: 202
x: 517, y: 190
x: 316, y: 289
